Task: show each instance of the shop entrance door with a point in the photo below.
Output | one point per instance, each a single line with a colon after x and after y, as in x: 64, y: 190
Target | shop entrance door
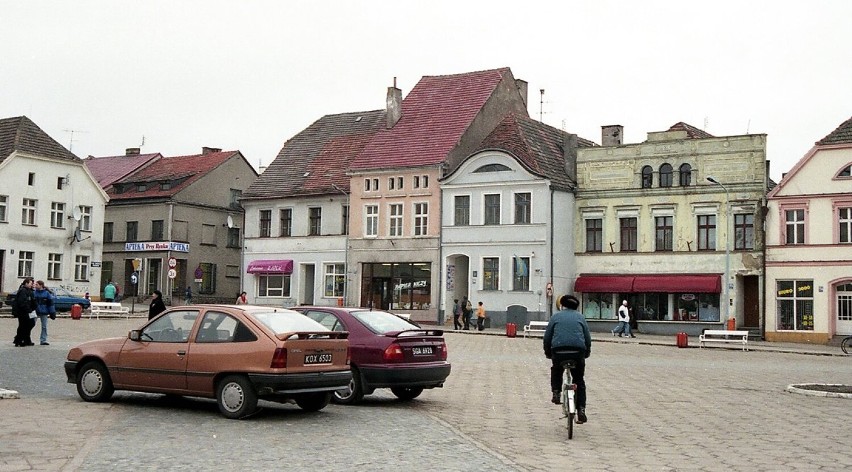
x: 751, y: 301
x: 844, y: 309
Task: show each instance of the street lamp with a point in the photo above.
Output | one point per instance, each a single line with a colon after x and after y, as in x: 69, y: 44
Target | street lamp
x: 727, y: 301
x: 345, y: 252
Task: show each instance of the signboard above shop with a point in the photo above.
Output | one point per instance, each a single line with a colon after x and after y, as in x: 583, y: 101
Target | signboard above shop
x: 157, y: 246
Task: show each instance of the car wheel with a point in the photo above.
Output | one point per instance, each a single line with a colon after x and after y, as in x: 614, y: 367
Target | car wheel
x: 313, y: 401
x: 94, y: 383
x: 407, y: 393
x: 236, y: 397
x: 353, y: 393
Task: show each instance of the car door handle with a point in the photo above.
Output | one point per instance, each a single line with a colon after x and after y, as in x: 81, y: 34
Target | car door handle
x: 181, y: 352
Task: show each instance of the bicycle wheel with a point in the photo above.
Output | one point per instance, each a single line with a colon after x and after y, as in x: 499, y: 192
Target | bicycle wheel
x: 846, y: 344
x: 570, y: 425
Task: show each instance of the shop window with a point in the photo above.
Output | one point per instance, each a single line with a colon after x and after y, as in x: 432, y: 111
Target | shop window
x: 208, y: 278
x: 273, y: 285
x: 334, y: 280
x: 795, y: 299
x: 490, y: 273
x: 598, y: 306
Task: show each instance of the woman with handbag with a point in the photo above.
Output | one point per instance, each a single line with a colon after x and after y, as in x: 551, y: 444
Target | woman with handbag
x: 24, y: 310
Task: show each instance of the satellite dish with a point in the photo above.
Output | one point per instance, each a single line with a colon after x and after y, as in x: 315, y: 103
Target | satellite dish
x: 76, y: 213
x: 230, y: 222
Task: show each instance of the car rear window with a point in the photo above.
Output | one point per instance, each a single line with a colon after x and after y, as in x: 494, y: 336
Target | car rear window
x: 287, y: 321
x: 382, y: 322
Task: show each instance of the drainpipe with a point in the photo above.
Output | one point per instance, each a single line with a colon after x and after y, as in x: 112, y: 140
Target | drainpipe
x: 550, y: 250
x: 345, y: 251
x: 441, y: 264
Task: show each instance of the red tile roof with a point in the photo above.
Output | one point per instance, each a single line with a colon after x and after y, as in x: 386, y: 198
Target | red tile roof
x: 110, y: 169
x: 691, y: 131
x: 434, y: 117
x: 22, y: 135
x: 841, y: 135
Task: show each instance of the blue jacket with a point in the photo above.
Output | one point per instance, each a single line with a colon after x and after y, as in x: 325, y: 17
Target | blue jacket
x: 44, y: 302
x: 567, y: 329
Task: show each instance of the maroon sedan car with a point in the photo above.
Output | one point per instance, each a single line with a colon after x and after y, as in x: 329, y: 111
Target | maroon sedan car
x: 386, y: 351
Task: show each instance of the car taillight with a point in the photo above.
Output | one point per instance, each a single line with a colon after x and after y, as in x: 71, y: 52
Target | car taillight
x: 348, y: 355
x: 443, y: 350
x: 279, y: 359
x: 393, y: 353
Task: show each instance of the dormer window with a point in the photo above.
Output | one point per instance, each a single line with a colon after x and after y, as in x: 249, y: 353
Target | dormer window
x: 141, y: 187
x: 165, y: 185
x: 492, y: 168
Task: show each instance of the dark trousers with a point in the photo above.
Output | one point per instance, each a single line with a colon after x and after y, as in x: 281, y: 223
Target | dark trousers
x: 466, y: 319
x: 25, y: 326
x: 480, y: 323
x: 457, y: 321
x: 577, y: 374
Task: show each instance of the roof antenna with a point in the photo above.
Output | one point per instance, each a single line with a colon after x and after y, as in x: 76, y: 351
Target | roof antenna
x: 748, y: 126
x: 541, y: 107
x: 143, y: 142
x: 71, y: 141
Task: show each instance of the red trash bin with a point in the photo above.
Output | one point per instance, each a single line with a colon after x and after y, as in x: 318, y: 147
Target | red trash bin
x: 76, y: 311
x: 511, y: 330
x: 682, y: 340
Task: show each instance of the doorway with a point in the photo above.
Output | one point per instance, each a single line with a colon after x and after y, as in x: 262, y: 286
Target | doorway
x: 152, y: 275
x: 308, y: 272
x: 751, y: 301
x: 844, y: 309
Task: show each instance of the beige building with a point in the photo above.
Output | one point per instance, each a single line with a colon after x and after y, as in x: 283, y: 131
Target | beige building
x: 652, y: 229
x: 809, y: 245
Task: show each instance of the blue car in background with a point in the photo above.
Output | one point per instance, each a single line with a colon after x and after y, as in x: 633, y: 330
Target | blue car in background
x: 64, y: 299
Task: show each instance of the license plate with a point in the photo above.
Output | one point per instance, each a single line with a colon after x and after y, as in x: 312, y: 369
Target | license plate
x: 317, y: 359
x: 422, y: 351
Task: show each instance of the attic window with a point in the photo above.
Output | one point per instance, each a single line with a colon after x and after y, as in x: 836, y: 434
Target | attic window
x: 492, y: 168
x: 141, y: 187
x: 165, y: 185
x: 358, y: 119
x: 847, y: 172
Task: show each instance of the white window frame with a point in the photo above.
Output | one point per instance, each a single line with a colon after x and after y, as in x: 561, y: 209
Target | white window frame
x: 85, y: 218
x: 25, y: 263
x: 371, y: 220
x: 57, y: 215
x: 485, y: 209
x: 54, y: 266
x: 280, y: 290
x: 515, y: 207
x: 844, y: 220
x: 395, y: 215
x: 4, y: 208
x: 81, y: 268
x: 334, y: 273
x: 28, y: 211
x: 421, y: 219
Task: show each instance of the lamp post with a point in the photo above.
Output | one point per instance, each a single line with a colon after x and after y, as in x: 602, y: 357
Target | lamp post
x: 727, y: 301
x: 345, y: 251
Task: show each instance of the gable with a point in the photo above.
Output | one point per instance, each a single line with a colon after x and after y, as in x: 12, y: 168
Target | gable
x: 22, y: 135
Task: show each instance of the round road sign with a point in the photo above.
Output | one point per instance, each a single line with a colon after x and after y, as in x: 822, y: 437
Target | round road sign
x: 172, y: 273
x: 172, y: 262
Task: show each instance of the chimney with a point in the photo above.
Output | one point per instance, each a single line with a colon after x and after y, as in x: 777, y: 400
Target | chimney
x: 208, y: 150
x: 394, y: 105
x: 612, y: 135
x: 131, y: 151
x: 569, y: 154
x: 523, y: 86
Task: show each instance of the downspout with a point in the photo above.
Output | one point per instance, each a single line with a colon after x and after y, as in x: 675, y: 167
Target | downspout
x: 170, y: 282
x: 550, y: 251
x: 441, y: 302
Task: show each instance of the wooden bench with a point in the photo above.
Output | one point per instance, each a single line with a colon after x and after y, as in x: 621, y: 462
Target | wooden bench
x: 535, y: 327
x: 724, y: 336
x: 107, y: 309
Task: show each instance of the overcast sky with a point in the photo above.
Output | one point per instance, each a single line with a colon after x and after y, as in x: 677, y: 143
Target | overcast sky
x: 249, y: 75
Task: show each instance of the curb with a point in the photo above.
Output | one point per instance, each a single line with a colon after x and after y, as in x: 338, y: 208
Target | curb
x: 794, y: 388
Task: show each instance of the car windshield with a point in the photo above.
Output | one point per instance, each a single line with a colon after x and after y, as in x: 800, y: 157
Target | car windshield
x: 287, y: 321
x: 382, y: 322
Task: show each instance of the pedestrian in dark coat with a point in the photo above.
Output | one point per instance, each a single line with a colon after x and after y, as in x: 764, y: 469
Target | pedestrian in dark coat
x: 157, y: 305
x: 24, y: 305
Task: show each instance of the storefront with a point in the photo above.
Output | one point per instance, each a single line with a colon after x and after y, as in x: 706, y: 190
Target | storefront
x: 660, y: 304
x: 396, y: 286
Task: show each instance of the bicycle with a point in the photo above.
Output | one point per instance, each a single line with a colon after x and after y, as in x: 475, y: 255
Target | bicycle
x: 846, y: 344
x: 569, y: 408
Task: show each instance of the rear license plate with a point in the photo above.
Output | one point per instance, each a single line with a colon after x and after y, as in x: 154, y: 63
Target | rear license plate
x: 422, y: 351
x: 317, y: 359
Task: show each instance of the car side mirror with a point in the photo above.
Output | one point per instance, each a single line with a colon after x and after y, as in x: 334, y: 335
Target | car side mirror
x: 134, y: 335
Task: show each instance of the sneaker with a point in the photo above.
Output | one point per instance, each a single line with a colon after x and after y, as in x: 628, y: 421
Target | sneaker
x: 556, y: 398
x: 581, y: 416
x: 45, y: 343
x: 613, y: 332
x: 632, y: 336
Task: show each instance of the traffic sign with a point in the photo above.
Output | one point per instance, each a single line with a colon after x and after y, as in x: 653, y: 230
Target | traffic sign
x: 134, y: 279
x: 172, y: 262
x: 172, y: 273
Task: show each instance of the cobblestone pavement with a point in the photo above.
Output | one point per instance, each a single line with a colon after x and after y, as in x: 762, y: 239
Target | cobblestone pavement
x: 651, y: 407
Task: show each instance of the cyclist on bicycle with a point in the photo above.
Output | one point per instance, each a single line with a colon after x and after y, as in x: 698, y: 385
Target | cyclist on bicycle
x: 567, y: 337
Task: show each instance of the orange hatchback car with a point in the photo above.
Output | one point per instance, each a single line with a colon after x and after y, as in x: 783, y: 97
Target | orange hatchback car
x: 235, y: 354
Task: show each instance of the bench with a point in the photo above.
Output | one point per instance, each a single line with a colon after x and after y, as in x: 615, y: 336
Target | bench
x: 724, y: 336
x: 535, y: 327
x: 107, y: 309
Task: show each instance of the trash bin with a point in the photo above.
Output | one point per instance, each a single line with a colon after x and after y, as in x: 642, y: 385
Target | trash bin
x: 76, y: 311
x: 732, y: 324
x: 511, y: 330
x: 682, y: 340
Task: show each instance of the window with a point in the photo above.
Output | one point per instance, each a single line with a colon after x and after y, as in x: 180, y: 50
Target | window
x: 706, y: 232
x: 208, y: 235
x: 371, y: 185
x: 795, y: 225
x: 233, y: 237
x: 132, y: 231
x: 795, y: 300
x: 395, y: 219
x: 285, y: 218
x: 462, y: 210
x: 421, y: 219
x: 222, y: 328
x: 265, y: 223
x: 57, y: 215
x: 492, y: 209
x: 371, y: 220
x: 232, y: 271
x: 173, y: 327
x: 664, y: 232
x: 314, y: 221
x: 399, y: 182
x: 629, y: 234
x: 421, y: 181
x: 344, y: 224
x: 594, y: 235
x: 416, y: 181
x: 744, y: 231
x: 844, y: 217
x: 234, y: 200
x: 647, y: 177
x: 108, y: 231
x: 523, y: 208
x: 521, y: 274
x: 391, y: 183
x: 31, y: 179
x: 166, y: 185
x: 81, y: 268
x: 666, y: 175
x: 85, y: 218
x: 846, y: 172
x: 28, y: 212
x: 141, y: 187
x: 273, y: 285
x: 25, y: 263
x: 156, y: 230
x: 685, y: 175
x: 4, y: 208
x: 208, y: 278
x: 335, y: 280
x: 492, y: 168
x: 59, y: 181
x: 490, y: 273
x: 54, y: 266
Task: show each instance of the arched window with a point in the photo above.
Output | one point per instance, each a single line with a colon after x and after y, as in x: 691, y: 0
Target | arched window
x: 492, y: 168
x: 847, y: 172
x: 666, y: 175
x: 647, y: 177
x: 685, y: 175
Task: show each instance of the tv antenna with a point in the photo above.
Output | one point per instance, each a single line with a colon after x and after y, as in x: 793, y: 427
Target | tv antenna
x: 541, y: 106
x: 71, y: 141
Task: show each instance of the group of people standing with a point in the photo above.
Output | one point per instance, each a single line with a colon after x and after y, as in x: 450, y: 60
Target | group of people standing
x: 462, y: 313
x: 32, y: 300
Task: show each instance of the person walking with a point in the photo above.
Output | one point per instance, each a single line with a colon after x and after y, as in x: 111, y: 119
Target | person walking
x: 44, y: 308
x: 24, y: 305
x: 480, y: 316
x: 242, y: 299
x: 456, y: 315
x: 188, y: 295
x: 157, y: 306
x: 623, y: 328
x: 567, y: 337
x: 467, y: 309
x: 109, y: 292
